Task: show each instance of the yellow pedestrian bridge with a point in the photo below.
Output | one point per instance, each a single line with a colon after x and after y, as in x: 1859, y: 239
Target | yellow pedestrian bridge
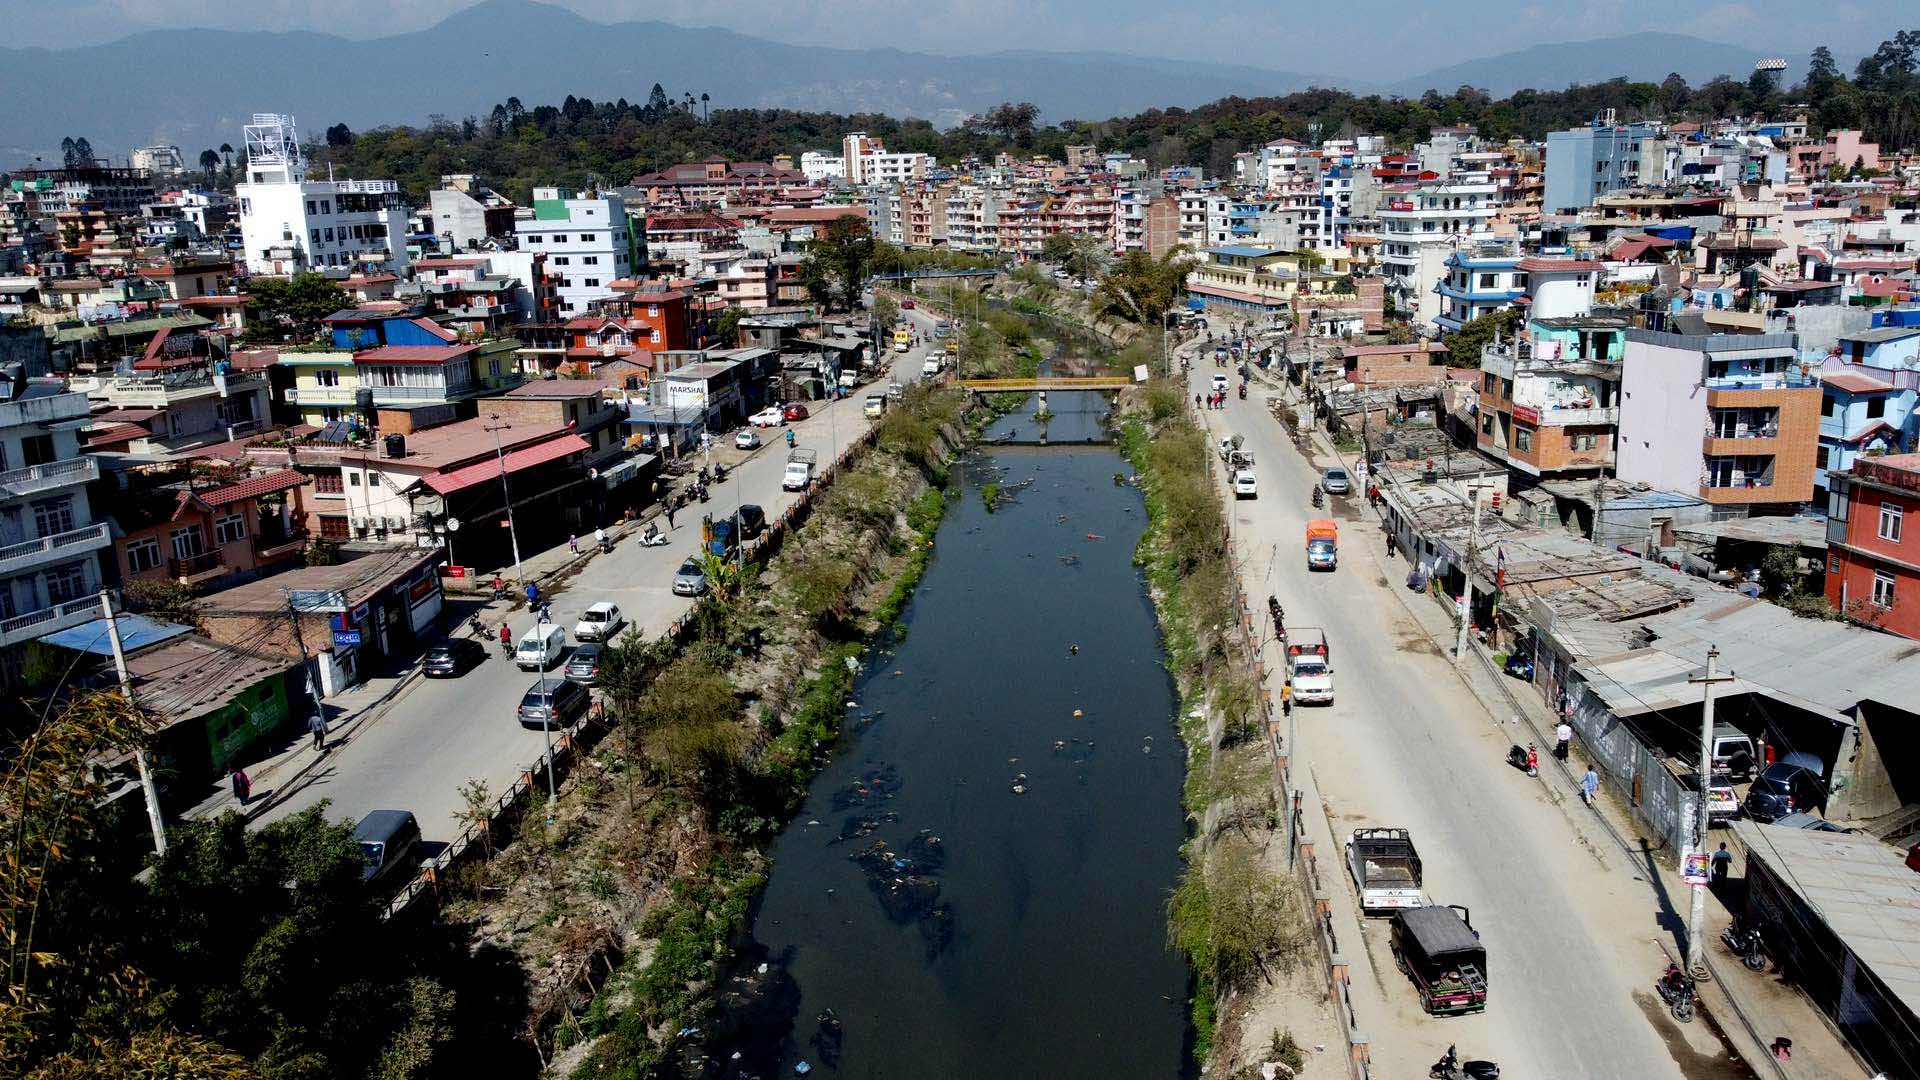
x: 1028, y: 386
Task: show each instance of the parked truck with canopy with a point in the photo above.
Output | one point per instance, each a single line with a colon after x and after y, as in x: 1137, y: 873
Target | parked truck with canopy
x: 1386, y: 870
x: 1437, y: 948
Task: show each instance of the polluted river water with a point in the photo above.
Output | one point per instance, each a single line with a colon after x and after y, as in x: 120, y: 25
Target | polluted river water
x: 977, y: 883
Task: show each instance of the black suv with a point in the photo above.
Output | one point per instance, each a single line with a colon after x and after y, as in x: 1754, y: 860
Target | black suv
x: 1785, y: 787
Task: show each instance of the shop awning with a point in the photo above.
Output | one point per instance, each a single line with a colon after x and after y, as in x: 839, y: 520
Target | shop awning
x: 480, y: 472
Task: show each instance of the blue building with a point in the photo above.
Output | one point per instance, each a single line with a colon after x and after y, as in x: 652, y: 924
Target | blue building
x: 1860, y: 415
x: 1476, y: 285
x: 1587, y: 162
x: 371, y: 328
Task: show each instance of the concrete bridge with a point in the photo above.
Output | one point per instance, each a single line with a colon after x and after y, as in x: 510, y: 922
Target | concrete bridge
x: 1028, y: 386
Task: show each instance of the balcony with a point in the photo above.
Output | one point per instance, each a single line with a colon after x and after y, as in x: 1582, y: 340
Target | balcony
x: 195, y: 569
x: 1766, y: 380
x: 1553, y: 416
x: 54, y: 474
x: 268, y: 549
x: 15, y: 558
x: 163, y: 390
x: 50, y: 620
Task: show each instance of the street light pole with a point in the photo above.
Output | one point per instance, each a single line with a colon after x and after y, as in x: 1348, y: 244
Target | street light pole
x: 506, y: 495
x: 1696, y: 924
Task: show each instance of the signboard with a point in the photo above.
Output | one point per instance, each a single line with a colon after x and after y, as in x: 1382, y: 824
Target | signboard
x: 1526, y: 414
x: 1695, y: 871
x: 316, y: 600
x: 346, y: 639
x: 458, y: 572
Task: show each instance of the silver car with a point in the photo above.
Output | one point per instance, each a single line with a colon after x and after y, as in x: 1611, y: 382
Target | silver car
x: 1335, y: 482
x: 690, y: 579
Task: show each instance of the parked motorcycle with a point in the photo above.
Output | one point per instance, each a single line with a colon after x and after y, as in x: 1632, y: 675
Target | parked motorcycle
x: 1450, y: 1067
x: 1677, y: 990
x: 719, y: 473
x: 1243, y: 391
x: 478, y: 628
x: 1525, y: 758
x: 1747, y: 942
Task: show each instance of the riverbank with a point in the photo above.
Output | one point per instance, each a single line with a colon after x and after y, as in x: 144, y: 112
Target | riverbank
x: 625, y: 900
x: 1238, y: 915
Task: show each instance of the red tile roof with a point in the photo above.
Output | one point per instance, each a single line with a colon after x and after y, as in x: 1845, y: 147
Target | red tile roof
x: 436, y: 330
x: 126, y: 416
x: 116, y: 435
x: 413, y: 354
x: 253, y: 487
x: 1536, y: 265
x: 1869, y: 431
x: 482, y: 471
x: 1854, y: 383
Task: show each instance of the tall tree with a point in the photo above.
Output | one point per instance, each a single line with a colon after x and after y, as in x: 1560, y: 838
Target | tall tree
x: 295, y: 305
x: 209, y: 161
x: 339, y: 135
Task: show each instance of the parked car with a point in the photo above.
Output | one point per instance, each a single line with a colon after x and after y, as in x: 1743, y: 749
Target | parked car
x: 552, y: 703
x: 389, y: 842
x: 1722, y: 804
x: 1802, y: 820
x: 1245, y: 486
x: 795, y: 411
x: 1336, y: 482
x: 769, y: 417
x: 894, y: 391
x: 1789, y: 784
x: 753, y: 520
x: 1733, y: 752
x: 599, y: 622
x: 875, y: 406
x: 690, y: 579
x: 906, y: 305
x: 583, y: 666
x: 1219, y: 382
x: 746, y: 440
x: 452, y: 658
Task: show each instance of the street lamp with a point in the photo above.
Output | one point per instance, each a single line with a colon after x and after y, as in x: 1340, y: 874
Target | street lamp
x: 452, y: 526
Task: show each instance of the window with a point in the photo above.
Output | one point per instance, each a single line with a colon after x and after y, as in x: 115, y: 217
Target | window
x: 1583, y: 442
x: 143, y: 554
x: 534, y: 238
x: 353, y: 479
x: 316, y: 236
x: 310, y: 207
x: 188, y: 542
x: 69, y: 582
x: 562, y: 260
x: 334, y: 528
x: 1891, y: 518
x: 1522, y: 439
x: 1822, y: 456
x: 230, y: 529
x: 326, y: 206
x: 591, y: 283
x: 559, y: 238
x: 326, y: 378
x: 329, y: 236
x: 1876, y: 406
x: 653, y: 311
x: 1829, y: 405
x: 590, y: 260
x: 1486, y: 423
x: 1487, y: 281
x: 1882, y: 589
x: 34, y: 450
x: 52, y: 516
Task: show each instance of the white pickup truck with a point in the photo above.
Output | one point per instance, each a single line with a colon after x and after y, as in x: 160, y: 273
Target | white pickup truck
x: 799, y: 473
x: 1386, y: 870
x: 1309, y: 665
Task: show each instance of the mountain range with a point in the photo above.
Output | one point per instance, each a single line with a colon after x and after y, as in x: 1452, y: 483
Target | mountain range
x: 1643, y: 57
x: 195, y: 88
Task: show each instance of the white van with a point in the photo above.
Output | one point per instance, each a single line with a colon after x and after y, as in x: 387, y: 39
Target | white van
x: 540, y: 647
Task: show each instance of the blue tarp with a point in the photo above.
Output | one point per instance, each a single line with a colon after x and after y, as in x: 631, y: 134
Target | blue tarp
x: 136, y: 632
x: 1677, y: 233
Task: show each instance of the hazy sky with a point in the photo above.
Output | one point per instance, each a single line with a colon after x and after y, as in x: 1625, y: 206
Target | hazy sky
x: 1304, y: 35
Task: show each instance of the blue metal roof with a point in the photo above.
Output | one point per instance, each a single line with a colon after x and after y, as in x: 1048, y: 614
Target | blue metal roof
x: 1245, y: 252
x: 136, y: 633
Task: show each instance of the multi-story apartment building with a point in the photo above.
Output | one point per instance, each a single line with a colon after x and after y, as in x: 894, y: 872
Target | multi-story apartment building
x: 1420, y: 226
x: 1550, y: 398
x: 45, y: 192
x: 864, y: 160
x: 1730, y: 417
x: 717, y: 182
x: 158, y: 160
x: 1873, y: 567
x: 49, y: 542
x: 1478, y: 282
x: 466, y: 215
x: 290, y: 224
x: 589, y: 243
x: 1590, y: 161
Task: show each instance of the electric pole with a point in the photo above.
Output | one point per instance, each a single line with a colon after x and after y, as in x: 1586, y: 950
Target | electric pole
x: 506, y: 495
x: 1466, y: 578
x: 1696, y: 925
x: 147, y: 789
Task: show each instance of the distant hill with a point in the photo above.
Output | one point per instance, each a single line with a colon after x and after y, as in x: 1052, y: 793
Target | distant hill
x: 1644, y: 57
x: 195, y: 88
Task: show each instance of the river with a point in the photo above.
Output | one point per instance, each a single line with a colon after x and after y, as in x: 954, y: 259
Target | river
x: 977, y: 883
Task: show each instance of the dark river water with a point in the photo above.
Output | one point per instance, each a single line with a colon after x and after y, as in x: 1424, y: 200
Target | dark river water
x: 976, y: 887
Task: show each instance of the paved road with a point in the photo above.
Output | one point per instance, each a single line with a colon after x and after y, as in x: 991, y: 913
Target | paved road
x: 1569, y: 932
x: 438, y: 734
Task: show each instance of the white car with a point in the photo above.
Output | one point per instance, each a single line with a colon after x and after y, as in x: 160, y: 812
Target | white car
x: 746, y: 440
x: 769, y: 417
x: 1244, y: 485
x: 599, y: 622
x: 1219, y: 382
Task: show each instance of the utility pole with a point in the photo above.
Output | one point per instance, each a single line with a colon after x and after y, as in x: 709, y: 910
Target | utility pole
x: 147, y: 789
x: 1466, y: 579
x: 1696, y: 925
x: 306, y: 663
x: 506, y: 495
x: 1599, y: 503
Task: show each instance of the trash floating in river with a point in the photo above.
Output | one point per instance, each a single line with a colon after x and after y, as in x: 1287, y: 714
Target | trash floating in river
x: 1077, y: 714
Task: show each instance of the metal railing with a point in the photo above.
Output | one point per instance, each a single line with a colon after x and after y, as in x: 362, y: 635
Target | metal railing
x: 194, y: 564
x: 47, y: 545
x: 87, y: 606
x: 50, y: 475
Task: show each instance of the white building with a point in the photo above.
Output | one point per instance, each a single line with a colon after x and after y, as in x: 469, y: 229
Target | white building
x: 864, y: 160
x: 160, y: 160
x: 589, y: 244
x: 50, y: 546
x: 1421, y: 228
x: 290, y: 224
x: 819, y: 168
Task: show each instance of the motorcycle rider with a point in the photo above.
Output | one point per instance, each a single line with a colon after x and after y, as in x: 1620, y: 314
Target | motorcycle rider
x: 1674, y: 982
x: 1533, y: 760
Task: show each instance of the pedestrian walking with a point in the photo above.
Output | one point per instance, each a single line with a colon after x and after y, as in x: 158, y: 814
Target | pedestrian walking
x: 1562, y: 736
x: 1590, y: 785
x: 506, y: 640
x: 317, y: 726
x: 1286, y: 698
x: 243, y: 787
x: 573, y: 544
x: 670, y: 509
x: 1722, y: 865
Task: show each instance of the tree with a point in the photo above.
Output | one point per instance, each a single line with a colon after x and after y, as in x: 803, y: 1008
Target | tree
x: 728, y: 325
x: 1822, y: 73
x: 339, y: 135
x: 226, y: 154
x: 688, y: 722
x: 1309, y: 260
x: 657, y: 105
x: 703, y: 106
x: 1142, y: 289
x: 1464, y: 345
x: 76, y: 152
x: 1014, y: 123
x: 296, y: 305
x: 209, y: 163
x: 840, y: 258
x: 1083, y: 255
x: 886, y: 312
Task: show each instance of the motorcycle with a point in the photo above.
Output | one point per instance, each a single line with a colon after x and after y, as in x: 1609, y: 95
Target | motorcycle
x: 1243, y: 391
x: 1319, y: 498
x: 1524, y: 758
x: 1450, y: 1067
x: 700, y: 492
x: 1676, y: 990
x: 606, y: 544
x: 719, y: 473
x: 653, y: 537
x: 478, y: 628
x: 1747, y: 943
